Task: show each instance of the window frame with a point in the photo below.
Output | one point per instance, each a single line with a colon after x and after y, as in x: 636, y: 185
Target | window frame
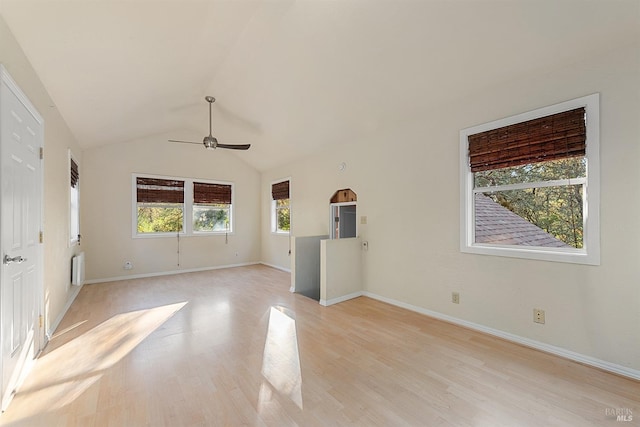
x: 274, y: 217
x: 193, y: 204
x: 274, y: 209
x: 590, y: 253
x: 73, y: 239
x: 187, y: 209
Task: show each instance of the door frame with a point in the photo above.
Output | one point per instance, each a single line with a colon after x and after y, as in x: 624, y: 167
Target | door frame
x: 332, y: 228
x: 39, y: 323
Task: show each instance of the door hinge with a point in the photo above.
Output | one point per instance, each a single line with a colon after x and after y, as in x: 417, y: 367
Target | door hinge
x: 41, y: 237
x: 40, y: 320
x: 41, y: 153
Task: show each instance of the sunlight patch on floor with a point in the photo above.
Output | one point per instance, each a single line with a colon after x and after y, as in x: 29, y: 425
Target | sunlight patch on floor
x: 61, y: 376
x: 281, y: 360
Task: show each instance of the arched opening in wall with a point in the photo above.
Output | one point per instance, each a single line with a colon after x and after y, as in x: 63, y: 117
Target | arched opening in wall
x: 343, y: 214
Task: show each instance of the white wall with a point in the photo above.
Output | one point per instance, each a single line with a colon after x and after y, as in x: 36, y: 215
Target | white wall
x: 340, y: 270
x: 57, y: 140
x: 406, y: 178
x: 107, y: 209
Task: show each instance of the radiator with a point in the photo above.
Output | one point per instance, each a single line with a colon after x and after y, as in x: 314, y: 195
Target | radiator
x: 77, y: 269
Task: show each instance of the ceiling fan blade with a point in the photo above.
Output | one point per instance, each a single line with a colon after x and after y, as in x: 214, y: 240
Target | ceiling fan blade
x: 185, y: 142
x: 211, y: 142
x: 234, y: 146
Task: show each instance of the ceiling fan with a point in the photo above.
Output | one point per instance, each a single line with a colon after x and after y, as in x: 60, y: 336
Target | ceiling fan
x: 210, y: 142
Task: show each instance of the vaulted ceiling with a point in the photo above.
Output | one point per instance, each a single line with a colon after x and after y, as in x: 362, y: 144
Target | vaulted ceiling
x: 291, y: 77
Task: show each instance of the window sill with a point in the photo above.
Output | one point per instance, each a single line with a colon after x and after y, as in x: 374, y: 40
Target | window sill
x: 173, y: 235
x: 575, y: 256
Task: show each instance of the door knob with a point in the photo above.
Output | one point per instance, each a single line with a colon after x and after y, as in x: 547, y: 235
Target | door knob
x: 8, y: 260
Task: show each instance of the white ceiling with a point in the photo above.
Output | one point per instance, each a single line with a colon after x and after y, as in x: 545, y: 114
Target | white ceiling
x: 292, y: 77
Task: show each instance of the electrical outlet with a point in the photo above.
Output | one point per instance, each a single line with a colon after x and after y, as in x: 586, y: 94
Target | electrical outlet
x: 538, y: 315
x: 455, y: 297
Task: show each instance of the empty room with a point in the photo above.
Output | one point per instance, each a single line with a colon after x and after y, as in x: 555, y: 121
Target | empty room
x: 320, y: 212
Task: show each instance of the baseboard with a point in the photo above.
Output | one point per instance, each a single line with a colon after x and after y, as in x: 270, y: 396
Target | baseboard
x: 75, y: 290
x: 547, y: 348
x: 327, y: 303
x: 277, y: 267
x: 165, y: 273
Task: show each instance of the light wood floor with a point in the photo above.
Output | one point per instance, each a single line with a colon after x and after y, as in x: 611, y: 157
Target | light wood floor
x: 234, y: 347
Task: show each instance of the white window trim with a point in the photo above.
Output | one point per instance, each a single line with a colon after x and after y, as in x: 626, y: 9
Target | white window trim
x: 590, y: 253
x: 272, y: 209
x: 187, y: 217
x: 73, y: 240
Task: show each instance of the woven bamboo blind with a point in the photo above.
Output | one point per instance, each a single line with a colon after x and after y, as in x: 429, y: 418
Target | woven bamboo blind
x: 155, y: 190
x: 204, y: 192
x: 75, y: 174
x: 553, y: 137
x: 280, y: 190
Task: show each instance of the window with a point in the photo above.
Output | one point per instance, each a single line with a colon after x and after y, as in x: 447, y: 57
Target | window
x: 163, y: 205
x: 160, y: 205
x: 280, y: 207
x: 530, y: 187
x: 74, y: 201
x: 211, y: 207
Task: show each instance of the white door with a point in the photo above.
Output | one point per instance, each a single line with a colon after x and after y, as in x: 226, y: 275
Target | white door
x: 21, y: 136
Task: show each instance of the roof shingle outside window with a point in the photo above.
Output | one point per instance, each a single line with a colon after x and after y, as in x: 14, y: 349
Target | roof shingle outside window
x: 498, y: 225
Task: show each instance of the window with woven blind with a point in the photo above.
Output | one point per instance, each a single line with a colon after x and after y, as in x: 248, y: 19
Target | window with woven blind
x: 211, y: 207
x: 160, y: 205
x: 280, y: 190
x: 557, y: 136
x: 157, y: 190
x: 280, y: 207
x: 74, y: 173
x: 525, y: 180
x: 186, y: 206
x: 74, y: 201
x: 204, y: 192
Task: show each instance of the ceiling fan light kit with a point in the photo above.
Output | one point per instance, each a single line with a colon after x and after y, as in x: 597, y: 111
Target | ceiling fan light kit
x: 210, y: 142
